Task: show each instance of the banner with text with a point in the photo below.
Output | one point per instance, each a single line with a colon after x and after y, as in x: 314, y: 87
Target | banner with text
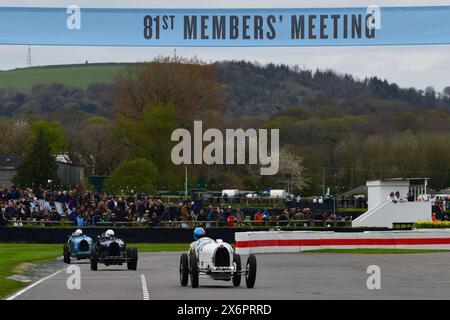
x: 225, y: 27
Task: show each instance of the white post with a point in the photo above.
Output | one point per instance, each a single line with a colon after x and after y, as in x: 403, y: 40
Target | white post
x: 185, y: 181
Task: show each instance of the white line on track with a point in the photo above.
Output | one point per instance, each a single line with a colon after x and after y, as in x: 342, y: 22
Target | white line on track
x: 32, y: 285
x: 144, y: 288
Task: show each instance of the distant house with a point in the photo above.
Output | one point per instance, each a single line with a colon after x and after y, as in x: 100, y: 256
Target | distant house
x: 8, y: 165
x: 68, y: 173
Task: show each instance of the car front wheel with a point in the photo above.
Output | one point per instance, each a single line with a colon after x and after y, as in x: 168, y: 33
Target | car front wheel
x: 66, y: 253
x: 133, y: 255
x: 237, y: 274
x: 184, y: 269
x: 250, y: 274
x: 94, y: 259
x: 194, y: 271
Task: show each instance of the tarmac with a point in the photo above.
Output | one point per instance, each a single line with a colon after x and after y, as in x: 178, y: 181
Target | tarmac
x: 302, y: 276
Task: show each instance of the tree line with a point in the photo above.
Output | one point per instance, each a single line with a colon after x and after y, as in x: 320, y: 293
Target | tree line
x: 336, y: 131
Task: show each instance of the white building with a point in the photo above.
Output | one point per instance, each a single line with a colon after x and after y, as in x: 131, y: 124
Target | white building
x: 383, y: 211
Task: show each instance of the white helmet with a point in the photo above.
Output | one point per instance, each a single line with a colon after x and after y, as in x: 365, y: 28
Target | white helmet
x: 78, y: 232
x: 109, y: 233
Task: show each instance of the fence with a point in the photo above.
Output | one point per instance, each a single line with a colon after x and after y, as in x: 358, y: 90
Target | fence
x: 188, y: 224
x: 216, y: 201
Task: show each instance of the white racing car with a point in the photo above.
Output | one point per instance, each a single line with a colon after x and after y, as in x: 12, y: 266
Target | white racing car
x: 217, y: 260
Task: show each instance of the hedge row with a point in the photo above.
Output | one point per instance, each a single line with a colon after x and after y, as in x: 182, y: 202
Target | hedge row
x: 432, y: 225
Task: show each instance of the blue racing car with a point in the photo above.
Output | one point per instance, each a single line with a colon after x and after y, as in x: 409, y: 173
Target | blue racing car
x: 79, y: 246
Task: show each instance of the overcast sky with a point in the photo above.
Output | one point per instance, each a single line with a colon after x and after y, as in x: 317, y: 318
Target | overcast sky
x: 409, y: 66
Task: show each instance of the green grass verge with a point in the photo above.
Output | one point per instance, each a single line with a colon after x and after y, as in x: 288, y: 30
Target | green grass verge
x: 376, y: 251
x: 14, y: 257
x: 71, y: 75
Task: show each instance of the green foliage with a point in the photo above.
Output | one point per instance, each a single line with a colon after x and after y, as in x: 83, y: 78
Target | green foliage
x: 346, y: 130
x: 432, y: 225
x: 52, y: 133
x: 149, y: 137
x: 95, y: 120
x: 39, y: 164
x: 138, y: 175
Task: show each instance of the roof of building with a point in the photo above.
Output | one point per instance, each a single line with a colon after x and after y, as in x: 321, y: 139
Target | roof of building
x: 10, y: 160
x: 399, y: 179
x: 444, y: 191
x: 355, y: 191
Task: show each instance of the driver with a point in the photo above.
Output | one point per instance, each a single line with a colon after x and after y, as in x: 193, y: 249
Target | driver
x: 109, y: 233
x: 200, y: 240
x: 78, y: 232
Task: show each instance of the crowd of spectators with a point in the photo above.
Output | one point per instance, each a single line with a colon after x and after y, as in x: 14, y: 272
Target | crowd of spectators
x: 87, y: 208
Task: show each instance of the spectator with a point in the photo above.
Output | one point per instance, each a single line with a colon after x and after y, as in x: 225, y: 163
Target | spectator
x: 221, y: 220
x: 258, y: 218
x: 201, y: 218
x: 80, y: 221
x: 298, y: 217
x: 239, y: 215
x: 185, y: 216
x: 409, y: 197
x: 231, y: 220
x: 211, y: 215
x: 284, y: 218
x: 392, y: 197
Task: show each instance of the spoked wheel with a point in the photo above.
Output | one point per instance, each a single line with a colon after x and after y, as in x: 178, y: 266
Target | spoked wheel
x: 132, y: 253
x: 237, y: 274
x: 94, y: 259
x: 184, y: 269
x: 66, y: 253
x: 250, y: 271
x: 194, y: 271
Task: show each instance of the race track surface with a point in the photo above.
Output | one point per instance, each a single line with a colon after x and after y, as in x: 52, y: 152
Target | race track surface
x: 279, y: 276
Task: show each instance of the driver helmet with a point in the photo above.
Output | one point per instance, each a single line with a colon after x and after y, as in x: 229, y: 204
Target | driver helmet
x: 109, y: 233
x: 199, y: 233
x: 78, y: 232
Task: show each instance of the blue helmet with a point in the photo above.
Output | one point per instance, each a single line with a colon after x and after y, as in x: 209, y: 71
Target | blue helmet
x: 199, y: 233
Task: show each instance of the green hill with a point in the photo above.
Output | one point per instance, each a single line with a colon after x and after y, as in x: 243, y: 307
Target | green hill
x: 80, y: 75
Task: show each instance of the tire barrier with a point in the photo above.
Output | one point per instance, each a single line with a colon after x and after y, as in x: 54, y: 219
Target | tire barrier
x: 298, y: 241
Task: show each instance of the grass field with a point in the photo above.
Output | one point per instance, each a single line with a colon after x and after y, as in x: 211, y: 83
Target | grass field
x: 71, y: 75
x: 14, y: 258
x: 376, y: 251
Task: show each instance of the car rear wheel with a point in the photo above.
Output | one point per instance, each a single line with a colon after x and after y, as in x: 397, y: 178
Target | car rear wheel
x: 133, y: 255
x: 250, y: 274
x: 184, y: 269
x: 237, y: 274
x: 194, y: 271
x: 66, y: 253
x: 94, y: 259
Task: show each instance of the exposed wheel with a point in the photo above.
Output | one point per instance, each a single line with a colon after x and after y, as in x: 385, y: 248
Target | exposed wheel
x: 184, y: 269
x: 237, y: 275
x: 132, y: 253
x: 250, y: 274
x: 194, y: 271
x: 66, y: 253
x: 94, y: 259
